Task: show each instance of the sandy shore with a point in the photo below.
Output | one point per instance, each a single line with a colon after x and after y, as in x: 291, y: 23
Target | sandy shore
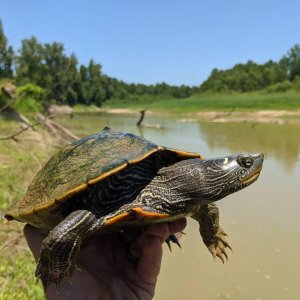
x: 260, y: 116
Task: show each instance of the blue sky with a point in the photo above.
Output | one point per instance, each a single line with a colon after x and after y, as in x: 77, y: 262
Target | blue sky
x: 176, y: 41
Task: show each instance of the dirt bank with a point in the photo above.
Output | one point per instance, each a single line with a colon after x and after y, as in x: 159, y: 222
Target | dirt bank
x: 261, y: 116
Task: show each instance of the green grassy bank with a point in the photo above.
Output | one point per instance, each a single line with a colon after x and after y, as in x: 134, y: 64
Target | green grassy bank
x: 214, y: 102
x: 19, y: 162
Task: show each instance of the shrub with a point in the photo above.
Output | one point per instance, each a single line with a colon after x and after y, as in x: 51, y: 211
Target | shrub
x: 280, y: 87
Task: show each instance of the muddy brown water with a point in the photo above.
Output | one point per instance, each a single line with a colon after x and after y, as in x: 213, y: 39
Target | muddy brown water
x: 262, y: 221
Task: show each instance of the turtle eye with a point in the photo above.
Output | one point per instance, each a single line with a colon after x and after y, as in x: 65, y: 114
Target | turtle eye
x: 247, y: 162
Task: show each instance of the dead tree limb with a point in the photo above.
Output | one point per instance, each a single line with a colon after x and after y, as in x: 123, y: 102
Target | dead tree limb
x: 45, y: 120
x: 142, y: 112
x: 3, y: 108
x: 56, y: 128
x: 14, y: 135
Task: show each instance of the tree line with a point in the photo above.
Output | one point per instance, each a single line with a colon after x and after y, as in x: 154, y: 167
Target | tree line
x: 253, y: 77
x: 64, y: 81
x: 48, y: 73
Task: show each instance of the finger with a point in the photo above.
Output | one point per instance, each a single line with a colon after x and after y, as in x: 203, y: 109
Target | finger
x: 148, y: 247
x: 149, y: 264
x: 177, y: 226
x: 131, y: 235
x: 160, y: 230
x: 34, y: 239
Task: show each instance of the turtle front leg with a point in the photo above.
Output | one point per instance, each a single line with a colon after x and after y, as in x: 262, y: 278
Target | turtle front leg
x: 212, y: 234
x: 58, y: 256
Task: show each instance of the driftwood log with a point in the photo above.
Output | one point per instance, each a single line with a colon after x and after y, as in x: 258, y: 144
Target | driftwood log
x: 55, y: 128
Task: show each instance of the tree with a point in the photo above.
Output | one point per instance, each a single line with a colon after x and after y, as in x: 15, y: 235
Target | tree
x: 291, y: 61
x: 59, y: 77
x: 72, y: 80
x: 245, y: 77
x: 47, y: 66
x: 6, y: 56
x: 30, y: 63
x: 93, y: 87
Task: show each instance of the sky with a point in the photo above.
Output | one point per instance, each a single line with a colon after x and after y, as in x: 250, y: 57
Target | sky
x: 175, y: 41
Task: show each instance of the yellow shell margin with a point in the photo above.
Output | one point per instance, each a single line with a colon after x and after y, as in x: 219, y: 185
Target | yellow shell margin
x: 63, y: 198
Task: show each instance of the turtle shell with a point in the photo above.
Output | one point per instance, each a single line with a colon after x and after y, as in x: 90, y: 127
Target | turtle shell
x: 77, y: 166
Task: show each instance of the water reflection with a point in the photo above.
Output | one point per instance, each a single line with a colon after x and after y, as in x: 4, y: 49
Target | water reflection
x: 280, y: 141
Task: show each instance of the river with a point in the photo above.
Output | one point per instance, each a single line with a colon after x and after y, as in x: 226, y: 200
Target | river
x: 262, y: 221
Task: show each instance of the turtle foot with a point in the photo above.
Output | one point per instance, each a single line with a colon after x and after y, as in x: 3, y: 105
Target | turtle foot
x: 53, y: 272
x: 218, y: 245
x: 58, y: 259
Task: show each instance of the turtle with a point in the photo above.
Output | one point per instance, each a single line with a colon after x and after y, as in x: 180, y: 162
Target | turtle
x: 111, y: 180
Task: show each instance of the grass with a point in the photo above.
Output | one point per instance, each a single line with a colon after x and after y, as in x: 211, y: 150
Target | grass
x: 215, y: 102
x: 78, y: 108
x: 19, y: 161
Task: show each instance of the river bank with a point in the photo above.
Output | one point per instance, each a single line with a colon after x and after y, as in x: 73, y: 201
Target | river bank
x: 261, y: 107
x: 260, y: 116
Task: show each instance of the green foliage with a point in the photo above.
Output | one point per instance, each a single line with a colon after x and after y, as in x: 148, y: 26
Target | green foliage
x: 32, y: 90
x: 245, y: 77
x: 92, y: 85
x: 272, y: 76
x: 280, y: 87
x: 291, y: 62
x: 30, y: 98
x: 27, y: 105
x: 47, y: 66
x: 30, y: 66
x: 6, y: 56
x: 296, y: 83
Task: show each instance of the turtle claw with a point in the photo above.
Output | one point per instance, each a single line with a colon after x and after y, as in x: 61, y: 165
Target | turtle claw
x: 172, y: 238
x: 221, y: 257
x: 218, y: 246
x: 169, y: 244
x: 53, y: 273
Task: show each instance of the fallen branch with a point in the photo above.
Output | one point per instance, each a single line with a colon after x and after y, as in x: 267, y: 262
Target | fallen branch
x: 45, y: 120
x: 14, y: 135
x: 3, y: 108
x: 56, y: 128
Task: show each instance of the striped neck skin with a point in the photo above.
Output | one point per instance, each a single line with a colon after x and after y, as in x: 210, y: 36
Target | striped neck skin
x: 193, y: 182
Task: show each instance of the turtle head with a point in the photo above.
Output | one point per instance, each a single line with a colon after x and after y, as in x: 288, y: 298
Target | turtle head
x: 226, y: 175
x: 185, y: 185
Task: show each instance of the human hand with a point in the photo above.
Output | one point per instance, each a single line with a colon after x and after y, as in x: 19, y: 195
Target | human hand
x: 105, y: 271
